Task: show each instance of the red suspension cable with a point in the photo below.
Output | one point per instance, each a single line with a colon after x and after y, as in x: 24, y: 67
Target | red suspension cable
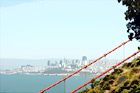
x: 105, y: 71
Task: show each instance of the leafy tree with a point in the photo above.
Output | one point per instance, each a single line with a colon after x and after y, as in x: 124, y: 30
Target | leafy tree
x: 132, y: 15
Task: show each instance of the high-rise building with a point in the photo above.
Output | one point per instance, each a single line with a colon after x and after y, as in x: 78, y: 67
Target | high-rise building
x: 48, y: 63
x: 84, y: 58
x: 60, y: 62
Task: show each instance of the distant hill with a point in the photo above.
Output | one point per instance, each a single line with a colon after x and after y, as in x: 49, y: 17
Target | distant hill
x: 125, y: 79
x: 15, y: 63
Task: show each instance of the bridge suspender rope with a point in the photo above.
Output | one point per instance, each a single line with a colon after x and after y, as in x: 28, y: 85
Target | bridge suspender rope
x: 42, y: 91
x: 105, y: 71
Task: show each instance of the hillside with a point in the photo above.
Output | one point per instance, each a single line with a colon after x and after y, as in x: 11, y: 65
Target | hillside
x: 125, y: 79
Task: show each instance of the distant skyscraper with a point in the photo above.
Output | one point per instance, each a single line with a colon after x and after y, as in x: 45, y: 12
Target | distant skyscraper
x: 77, y: 60
x: 48, y: 62
x: 84, y: 58
x: 60, y: 62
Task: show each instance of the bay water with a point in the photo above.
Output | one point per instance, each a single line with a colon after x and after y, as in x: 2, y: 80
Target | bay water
x: 35, y: 83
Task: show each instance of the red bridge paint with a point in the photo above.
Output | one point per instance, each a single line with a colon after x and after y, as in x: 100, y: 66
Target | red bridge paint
x: 42, y: 91
x: 105, y: 72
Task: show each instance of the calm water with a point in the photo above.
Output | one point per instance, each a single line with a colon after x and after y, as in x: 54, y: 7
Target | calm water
x: 35, y: 83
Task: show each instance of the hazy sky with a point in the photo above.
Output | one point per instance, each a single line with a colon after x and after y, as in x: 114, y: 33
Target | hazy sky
x: 42, y: 29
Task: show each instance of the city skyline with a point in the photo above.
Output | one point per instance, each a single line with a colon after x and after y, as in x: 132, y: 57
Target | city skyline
x: 14, y: 63
x: 61, y: 67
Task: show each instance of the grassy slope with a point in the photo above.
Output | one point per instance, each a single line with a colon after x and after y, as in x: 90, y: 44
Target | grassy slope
x: 125, y: 79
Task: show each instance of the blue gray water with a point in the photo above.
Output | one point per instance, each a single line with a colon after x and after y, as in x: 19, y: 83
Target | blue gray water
x: 35, y: 83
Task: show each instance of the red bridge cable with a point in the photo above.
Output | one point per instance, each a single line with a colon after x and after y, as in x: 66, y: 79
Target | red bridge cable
x: 105, y: 71
x: 83, y: 67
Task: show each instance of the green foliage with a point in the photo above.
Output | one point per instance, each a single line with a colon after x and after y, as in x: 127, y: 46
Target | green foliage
x: 118, y: 90
x: 112, y: 77
x: 139, y: 77
x: 135, y: 81
x: 106, y: 87
x: 93, y: 84
x: 106, y: 78
x: 126, y: 83
x: 133, y: 15
x: 55, y: 70
x: 91, y: 91
x: 135, y: 62
x: 125, y: 79
x: 125, y: 91
x: 138, y: 63
x: 111, y: 81
x: 125, y: 65
x: 136, y: 90
x: 117, y: 71
x: 135, y: 70
x: 128, y: 74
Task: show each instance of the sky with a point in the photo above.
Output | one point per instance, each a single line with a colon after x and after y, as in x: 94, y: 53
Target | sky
x: 43, y: 29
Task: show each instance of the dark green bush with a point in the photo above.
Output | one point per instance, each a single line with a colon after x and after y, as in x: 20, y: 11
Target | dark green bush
x: 132, y: 65
x: 106, y: 78
x: 138, y: 63
x: 126, y: 83
x: 135, y: 70
x: 101, y: 83
x: 136, y: 90
x: 93, y: 84
x: 111, y: 81
x: 134, y: 86
x: 129, y: 64
x: 135, y: 81
x: 112, y: 77
x: 118, y: 71
x: 106, y: 87
x: 118, y: 90
x: 139, y: 77
x: 125, y: 65
x: 125, y: 91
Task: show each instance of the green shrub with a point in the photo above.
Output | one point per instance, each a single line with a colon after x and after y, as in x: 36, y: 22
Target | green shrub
x: 106, y: 78
x: 139, y: 77
x: 132, y: 65
x: 118, y: 90
x: 94, y: 84
x: 111, y: 81
x: 128, y: 74
x: 130, y: 90
x: 134, y: 86
x: 138, y: 63
x: 125, y: 91
x: 129, y: 64
x: 136, y: 90
x: 124, y: 65
x: 112, y: 77
x: 126, y: 83
x: 118, y: 71
x: 135, y: 70
x: 91, y: 91
x: 106, y: 87
x: 134, y: 81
